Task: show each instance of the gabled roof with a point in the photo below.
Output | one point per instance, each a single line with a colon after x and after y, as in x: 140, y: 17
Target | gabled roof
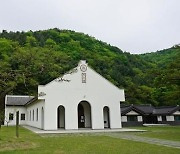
x: 127, y: 108
x: 32, y: 100
x: 13, y: 100
x: 145, y: 109
x: 165, y: 110
x: 148, y: 109
x: 67, y: 77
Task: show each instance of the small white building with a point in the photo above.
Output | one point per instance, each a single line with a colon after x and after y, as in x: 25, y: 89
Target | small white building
x: 81, y: 98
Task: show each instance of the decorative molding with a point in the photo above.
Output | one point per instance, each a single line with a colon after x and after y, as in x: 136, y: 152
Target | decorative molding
x: 83, y: 68
x: 75, y: 70
x: 41, y: 94
x: 62, y: 79
x: 83, y: 77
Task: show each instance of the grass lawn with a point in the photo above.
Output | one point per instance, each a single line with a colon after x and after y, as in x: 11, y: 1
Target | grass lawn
x: 29, y: 142
x: 162, y: 132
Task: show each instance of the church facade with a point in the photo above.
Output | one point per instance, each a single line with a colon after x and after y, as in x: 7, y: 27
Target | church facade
x: 81, y: 98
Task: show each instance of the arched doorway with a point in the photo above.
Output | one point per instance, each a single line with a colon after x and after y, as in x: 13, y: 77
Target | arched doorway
x: 42, y: 118
x: 61, y: 117
x: 106, y: 117
x: 84, y: 115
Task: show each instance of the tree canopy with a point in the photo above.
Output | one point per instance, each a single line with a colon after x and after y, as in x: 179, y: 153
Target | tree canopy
x: 28, y: 59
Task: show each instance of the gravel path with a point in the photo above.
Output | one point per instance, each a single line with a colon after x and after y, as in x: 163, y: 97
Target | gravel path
x: 168, y: 143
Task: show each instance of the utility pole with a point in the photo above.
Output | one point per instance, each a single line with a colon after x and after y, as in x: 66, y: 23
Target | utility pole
x: 17, y: 124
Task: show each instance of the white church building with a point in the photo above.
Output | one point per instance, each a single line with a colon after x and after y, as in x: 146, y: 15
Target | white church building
x: 81, y: 98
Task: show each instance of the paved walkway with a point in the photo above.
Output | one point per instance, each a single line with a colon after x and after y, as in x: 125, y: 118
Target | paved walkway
x: 162, y: 142
x: 82, y: 130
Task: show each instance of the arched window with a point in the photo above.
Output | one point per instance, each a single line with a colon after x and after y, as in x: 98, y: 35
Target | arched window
x: 61, y: 117
x: 106, y: 117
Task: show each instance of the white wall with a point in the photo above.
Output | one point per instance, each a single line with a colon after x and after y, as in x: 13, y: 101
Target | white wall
x: 97, y: 91
x: 170, y: 118
x: 159, y: 118
x: 124, y: 118
x: 34, y: 106
x: 176, y: 113
x: 139, y: 118
x: 13, y: 110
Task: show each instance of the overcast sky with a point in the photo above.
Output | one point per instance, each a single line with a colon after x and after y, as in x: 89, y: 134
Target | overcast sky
x: 135, y: 26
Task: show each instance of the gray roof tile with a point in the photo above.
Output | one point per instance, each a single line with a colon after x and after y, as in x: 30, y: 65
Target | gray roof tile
x: 145, y: 108
x: 148, y: 109
x: 164, y: 110
x: 18, y: 100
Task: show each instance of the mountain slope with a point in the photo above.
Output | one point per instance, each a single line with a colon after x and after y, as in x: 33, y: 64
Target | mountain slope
x: 31, y: 58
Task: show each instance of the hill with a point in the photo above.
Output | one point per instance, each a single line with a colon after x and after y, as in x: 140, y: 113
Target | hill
x: 28, y: 59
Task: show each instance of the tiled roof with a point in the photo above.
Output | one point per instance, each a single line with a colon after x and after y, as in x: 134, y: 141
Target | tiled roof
x: 165, y: 110
x: 125, y: 109
x: 148, y: 109
x: 18, y: 100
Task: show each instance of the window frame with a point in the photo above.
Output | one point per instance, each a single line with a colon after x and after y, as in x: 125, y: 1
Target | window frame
x: 11, y: 116
x: 23, y: 116
x: 132, y: 118
x: 176, y: 117
x: 164, y: 118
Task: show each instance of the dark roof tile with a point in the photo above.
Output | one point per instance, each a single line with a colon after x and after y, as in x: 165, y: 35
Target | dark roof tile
x: 18, y: 100
x: 148, y: 109
x: 164, y: 110
x: 125, y: 108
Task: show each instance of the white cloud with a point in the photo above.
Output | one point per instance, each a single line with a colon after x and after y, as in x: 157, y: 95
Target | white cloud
x: 135, y: 26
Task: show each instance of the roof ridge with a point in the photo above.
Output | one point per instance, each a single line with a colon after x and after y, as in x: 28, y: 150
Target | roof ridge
x: 159, y: 107
x: 143, y: 105
x: 19, y: 96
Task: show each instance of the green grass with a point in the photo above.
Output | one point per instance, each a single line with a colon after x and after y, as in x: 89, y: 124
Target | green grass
x: 162, y: 132
x: 29, y: 142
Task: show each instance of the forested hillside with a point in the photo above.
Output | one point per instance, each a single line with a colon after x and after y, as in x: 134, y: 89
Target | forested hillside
x: 28, y: 59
